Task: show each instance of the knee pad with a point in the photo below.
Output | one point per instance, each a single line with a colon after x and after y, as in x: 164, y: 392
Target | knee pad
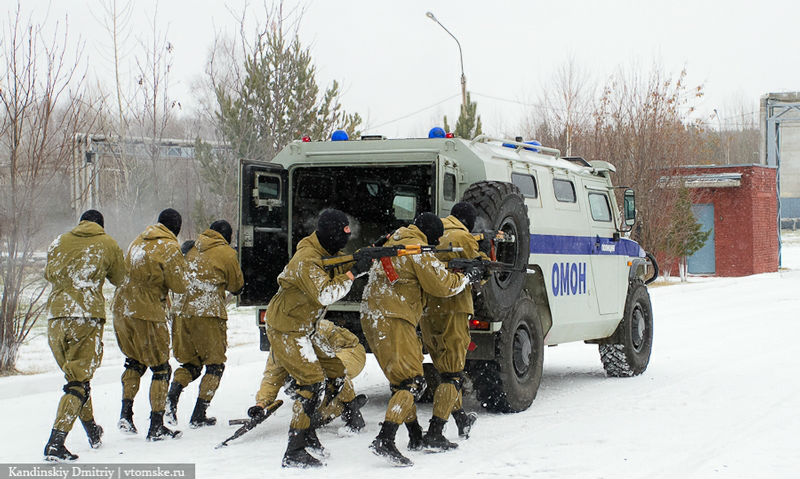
x: 215, y: 369
x: 135, y: 365
x: 161, y: 372
x: 315, y: 392
x: 334, y: 386
x: 456, y: 379
x: 416, y: 386
x: 194, y: 370
x: 78, y: 389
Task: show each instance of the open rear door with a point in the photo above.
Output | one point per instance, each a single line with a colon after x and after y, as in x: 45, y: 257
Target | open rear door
x: 263, y: 229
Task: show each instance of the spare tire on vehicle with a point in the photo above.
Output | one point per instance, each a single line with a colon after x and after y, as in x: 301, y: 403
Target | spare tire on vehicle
x: 501, y: 207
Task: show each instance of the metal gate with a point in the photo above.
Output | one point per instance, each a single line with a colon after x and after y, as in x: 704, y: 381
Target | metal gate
x: 703, y: 261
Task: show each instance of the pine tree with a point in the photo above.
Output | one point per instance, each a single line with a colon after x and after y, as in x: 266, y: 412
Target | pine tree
x: 469, y: 122
x: 685, y: 236
x: 279, y: 100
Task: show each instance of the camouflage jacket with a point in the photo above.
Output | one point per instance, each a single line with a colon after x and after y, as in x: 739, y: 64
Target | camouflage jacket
x: 155, y: 267
x: 212, y: 269
x: 306, y: 289
x: 456, y: 235
x: 78, y: 264
x: 417, y: 274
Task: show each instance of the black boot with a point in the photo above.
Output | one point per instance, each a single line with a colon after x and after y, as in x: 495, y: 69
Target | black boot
x: 415, y: 442
x: 313, y: 445
x: 434, y: 439
x: 384, y: 446
x: 94, y: 432
x: 55, y: 451
x: 171, y: 413
x: 158, y: 431
x: 125, y: 423
x: 464, y: 421
x: 351, y: 413
x: 199, y: 418
x: 296, y: 455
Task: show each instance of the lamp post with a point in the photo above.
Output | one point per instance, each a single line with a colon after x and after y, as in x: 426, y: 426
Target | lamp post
x: 461, y: 56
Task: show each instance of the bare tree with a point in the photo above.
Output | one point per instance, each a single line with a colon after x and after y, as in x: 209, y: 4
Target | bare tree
x: 41, y: 108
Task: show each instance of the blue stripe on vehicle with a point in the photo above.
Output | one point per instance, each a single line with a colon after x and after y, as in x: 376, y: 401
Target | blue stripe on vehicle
x: 582, y: 245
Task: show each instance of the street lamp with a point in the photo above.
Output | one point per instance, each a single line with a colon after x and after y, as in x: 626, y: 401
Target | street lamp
x: 461, y: 56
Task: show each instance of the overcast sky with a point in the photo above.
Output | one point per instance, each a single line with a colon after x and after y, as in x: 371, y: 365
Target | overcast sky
x: 401, y: 71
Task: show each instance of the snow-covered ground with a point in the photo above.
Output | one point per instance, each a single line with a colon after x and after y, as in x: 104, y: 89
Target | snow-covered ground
x: 720, y: 398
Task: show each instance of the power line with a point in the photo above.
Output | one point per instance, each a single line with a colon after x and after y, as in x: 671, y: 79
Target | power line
x: 412, y: 113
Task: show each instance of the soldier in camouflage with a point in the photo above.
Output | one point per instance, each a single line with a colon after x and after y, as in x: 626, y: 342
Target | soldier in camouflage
x: 78, y: 263
x: 445, y: 331
x: 348, y: 349
x: 199, y: 332
x: 155, y: 267
x: 306, y: 289
x: 390, y: 313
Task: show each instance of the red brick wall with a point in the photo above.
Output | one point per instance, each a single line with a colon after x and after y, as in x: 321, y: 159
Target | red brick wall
x: 745, y: 220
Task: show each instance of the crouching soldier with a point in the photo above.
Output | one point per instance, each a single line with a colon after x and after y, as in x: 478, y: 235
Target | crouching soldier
x: 445, y: 331
x: 78, y: 263
x: 390, y: 313
x: 346, y: 347
x: 155, y: 267
x: 199, y: 331
x: 305, y: 291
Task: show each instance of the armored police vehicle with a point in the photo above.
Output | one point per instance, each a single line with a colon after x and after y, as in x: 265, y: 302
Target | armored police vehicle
x: 578, y: 278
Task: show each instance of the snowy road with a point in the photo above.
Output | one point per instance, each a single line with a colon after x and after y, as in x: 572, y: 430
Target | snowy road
x: 721, y: 398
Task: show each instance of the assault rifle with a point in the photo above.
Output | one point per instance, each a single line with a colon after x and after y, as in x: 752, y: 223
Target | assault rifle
x: 378, y: 252
x: 497, y: 236
x: 249, y: 423
x: 462, y: 264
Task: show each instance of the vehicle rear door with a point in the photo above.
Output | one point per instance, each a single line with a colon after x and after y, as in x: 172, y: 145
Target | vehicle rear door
x: 263, y: 229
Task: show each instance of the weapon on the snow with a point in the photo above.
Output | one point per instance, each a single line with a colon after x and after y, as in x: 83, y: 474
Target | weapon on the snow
x: 384, y: 252
x: 249, y: 423
x: 462, y: 264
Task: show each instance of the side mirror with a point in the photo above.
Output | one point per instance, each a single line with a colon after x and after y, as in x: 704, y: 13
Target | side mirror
x: 629, y: 207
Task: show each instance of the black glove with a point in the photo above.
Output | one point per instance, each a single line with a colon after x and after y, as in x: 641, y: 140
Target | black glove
x: 255, y: 411
x: 363, y: 264
x: 475, y: 274
x: 334, y: 386
x: 485, y: 246
x: 186, y: 246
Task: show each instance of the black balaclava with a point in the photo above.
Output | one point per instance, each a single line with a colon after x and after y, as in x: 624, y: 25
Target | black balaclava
x: 431, y: 226
x: 224, y: 228
x: 331, y: 230
x: 171, y: 219
x: 465, y: 213
x: 92, y: 215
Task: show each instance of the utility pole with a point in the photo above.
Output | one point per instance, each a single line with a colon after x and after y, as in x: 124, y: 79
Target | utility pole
x: 461, y: 56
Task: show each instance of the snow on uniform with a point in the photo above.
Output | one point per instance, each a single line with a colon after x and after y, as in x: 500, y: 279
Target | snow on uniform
x: 305, y: 291
x: 78, y: 263
x: 445, y: 322
x: 390, y: 314
x: 329, y: 337
x: 155, y: 267
x: 199, y: 331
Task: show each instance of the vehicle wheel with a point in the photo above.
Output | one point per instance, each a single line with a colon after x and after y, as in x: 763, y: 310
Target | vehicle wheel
x: 432, y: 381
x: 629, y: 353
x: 510, y: 383
x: 501, y: 206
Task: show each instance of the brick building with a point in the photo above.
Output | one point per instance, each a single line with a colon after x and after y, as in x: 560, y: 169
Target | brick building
x: 738, y: 203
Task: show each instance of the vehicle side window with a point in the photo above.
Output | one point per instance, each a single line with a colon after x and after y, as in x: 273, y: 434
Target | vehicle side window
x: 598, y: 203
x: 405, y: 206
x: 449, y: 187
x: 564, y: 190
x: 526, y: 184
